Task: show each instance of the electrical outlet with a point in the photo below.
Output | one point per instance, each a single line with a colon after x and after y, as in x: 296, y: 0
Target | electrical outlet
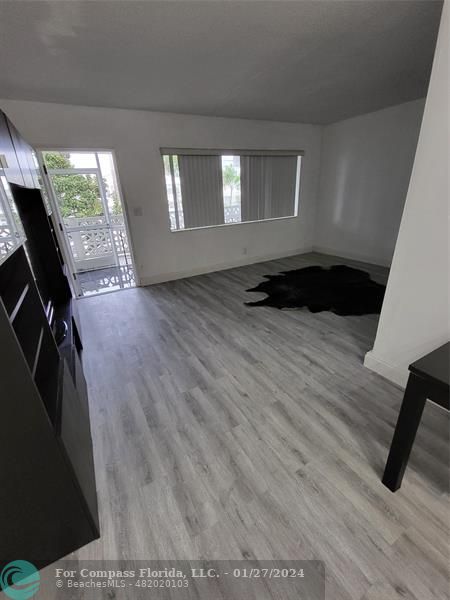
x: 245, y: 250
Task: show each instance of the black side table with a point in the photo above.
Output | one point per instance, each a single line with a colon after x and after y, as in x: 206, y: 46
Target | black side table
x: 428, y: 380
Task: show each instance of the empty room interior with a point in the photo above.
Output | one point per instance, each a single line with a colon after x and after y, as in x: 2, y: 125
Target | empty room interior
x: 224, y: 299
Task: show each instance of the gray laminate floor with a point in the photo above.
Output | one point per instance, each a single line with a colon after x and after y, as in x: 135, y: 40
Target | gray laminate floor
x: 223, y: 431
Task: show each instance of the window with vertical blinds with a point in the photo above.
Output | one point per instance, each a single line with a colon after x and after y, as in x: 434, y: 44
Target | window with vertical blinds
x: 207, y: 188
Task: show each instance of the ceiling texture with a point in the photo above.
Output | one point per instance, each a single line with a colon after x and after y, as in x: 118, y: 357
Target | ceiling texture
x: 301, y: 61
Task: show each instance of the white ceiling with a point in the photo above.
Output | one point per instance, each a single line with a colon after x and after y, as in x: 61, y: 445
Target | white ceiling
x: 305, y: 61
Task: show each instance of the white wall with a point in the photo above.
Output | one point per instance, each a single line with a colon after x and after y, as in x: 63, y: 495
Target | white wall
x: 415, y: 315
x: 136, y: 137
x: 366, y: 166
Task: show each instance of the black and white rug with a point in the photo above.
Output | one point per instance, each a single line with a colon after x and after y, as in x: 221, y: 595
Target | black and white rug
x: 339, y: 289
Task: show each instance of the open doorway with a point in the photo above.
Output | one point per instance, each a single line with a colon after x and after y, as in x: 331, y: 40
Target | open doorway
x: 85, y: 196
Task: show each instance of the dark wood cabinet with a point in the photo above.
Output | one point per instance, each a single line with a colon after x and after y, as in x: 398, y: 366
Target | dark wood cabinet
x: 8, y: 157
x: 48, y: 500
x: 75, y: 435
x: 25, y: 158
x: 41, y: 244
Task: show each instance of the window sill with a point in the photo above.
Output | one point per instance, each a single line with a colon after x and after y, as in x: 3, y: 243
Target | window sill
x: 231, y: 224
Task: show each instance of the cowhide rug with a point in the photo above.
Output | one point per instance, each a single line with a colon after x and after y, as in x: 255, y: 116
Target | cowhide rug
x: 340, y: 289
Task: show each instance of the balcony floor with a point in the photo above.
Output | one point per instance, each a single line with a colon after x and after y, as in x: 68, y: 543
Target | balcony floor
x: 104, y: 280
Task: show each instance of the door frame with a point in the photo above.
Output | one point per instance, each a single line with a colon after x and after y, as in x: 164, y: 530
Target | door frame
x: 60, y: 230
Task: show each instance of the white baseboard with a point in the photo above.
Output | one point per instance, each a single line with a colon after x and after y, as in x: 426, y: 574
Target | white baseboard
x: 394, y: 373
x: 358, y: 257
x: 163, y: 277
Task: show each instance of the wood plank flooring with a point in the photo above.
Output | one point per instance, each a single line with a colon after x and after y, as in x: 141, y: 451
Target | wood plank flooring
x: 227, y: 432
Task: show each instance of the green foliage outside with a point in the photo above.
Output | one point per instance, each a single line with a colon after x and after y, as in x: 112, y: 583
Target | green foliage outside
x: 230, y: 175
x: 231, y: 178
x: 116, y: 205
x: 78, y: 195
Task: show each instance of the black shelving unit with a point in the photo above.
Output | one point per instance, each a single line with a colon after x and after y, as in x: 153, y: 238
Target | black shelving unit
x: 48, y: 502
x: 23, y: 307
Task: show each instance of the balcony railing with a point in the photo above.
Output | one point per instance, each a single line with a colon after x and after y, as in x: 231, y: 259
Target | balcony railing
x: 93, y: 247
x: 232, y: 213
x: 7, y: 240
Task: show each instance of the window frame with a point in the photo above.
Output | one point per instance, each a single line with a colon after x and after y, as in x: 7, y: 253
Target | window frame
x: 171, y: 151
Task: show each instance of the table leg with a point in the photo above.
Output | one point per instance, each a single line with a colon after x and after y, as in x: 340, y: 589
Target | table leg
x: 405, y: 432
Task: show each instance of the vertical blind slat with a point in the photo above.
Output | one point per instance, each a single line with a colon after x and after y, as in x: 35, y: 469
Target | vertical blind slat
x: 201, y: 190
x: 267, y: 187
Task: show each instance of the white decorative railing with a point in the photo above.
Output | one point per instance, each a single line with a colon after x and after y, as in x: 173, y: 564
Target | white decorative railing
x: 95, y: 247
x: 173, y: 220
x: 7, y: 240
x: 232, y: 213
